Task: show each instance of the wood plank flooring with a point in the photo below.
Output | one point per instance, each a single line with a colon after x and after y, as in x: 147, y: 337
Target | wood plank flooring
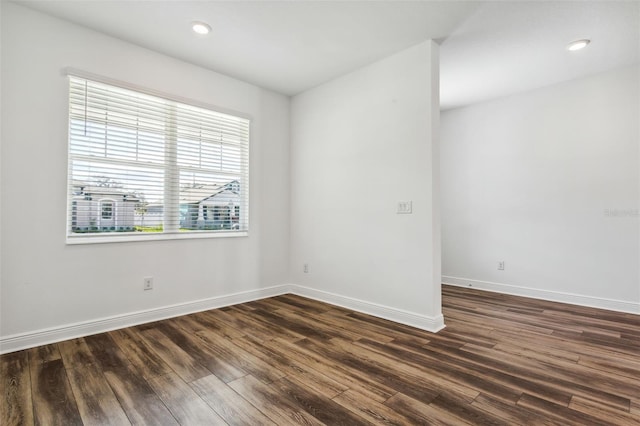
x: 502, y: 360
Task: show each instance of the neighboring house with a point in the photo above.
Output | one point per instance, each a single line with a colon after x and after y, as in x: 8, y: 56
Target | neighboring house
x: 210, y: 206
x: 201, y: 207
x: 102, y: 208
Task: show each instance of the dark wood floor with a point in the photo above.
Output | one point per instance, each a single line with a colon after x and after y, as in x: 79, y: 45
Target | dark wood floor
x: 288, y: 360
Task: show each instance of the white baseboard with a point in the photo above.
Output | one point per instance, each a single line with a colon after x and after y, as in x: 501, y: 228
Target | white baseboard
x: 434, y: 324
x: 28, y: 340
x: 554, y: 296
x: 32, y: 339
x: 423, y: 322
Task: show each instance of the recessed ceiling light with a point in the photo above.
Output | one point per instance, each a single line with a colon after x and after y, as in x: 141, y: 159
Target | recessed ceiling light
x: 578, y: 44
x: 200, y: 28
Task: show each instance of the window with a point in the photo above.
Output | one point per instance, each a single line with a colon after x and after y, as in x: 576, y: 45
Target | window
x: 107, y: 210
x: 147, y: 167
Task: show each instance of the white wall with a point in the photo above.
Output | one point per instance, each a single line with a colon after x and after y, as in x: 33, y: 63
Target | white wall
x: 529, y: 179
x: 47, y: 284
x: 1, y: 173
x: 362, y: 143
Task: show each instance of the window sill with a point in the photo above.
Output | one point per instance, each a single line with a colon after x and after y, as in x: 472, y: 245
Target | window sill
x: 125, y: 238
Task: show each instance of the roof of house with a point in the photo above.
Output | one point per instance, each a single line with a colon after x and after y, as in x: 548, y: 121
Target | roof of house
x: 84, y: 188
x: 194, y: 194
x: 201, y: 193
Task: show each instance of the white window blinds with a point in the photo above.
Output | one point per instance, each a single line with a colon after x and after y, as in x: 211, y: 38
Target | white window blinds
x: 142, y: 165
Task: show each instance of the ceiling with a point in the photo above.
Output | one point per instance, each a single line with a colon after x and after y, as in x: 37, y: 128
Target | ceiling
x: 511, y: 47
x: 488, y: 49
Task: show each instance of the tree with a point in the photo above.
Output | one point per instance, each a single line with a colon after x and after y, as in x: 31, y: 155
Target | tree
x: 142, y: 206
x: 106, y: 182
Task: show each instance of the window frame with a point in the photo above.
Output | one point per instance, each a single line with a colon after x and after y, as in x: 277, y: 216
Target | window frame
x: 180, y: 234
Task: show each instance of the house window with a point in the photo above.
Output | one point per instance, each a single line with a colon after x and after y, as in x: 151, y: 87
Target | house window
x: 159, y: 158
x: 217, y: 213
x: 106, y: 207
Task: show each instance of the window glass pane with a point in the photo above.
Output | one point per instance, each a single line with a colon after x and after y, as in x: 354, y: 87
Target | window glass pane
x: 127, y: 196
x: 209, y: 202
x: 102, y: 140
x: 107, y: 210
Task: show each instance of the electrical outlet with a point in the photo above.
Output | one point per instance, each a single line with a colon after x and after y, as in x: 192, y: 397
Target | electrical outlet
x: 148, y: 283
x: 501, y: 265
x: 305, y: 268
x: 404, y: 207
